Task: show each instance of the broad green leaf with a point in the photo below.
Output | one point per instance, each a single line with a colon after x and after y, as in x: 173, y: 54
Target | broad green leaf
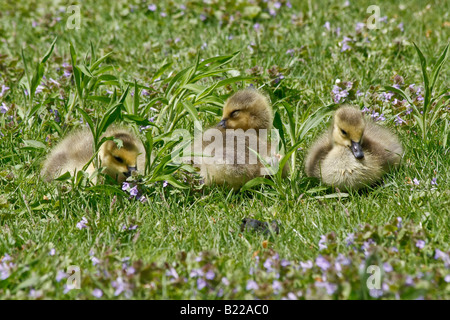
x: 170, y: 179
x: 64, y: 177
x: 192, y: 112
x: 161, y: 70
x: 257, y: 181
x: 87, y: 118
x: 49, y: 52
x: 34, y: 144
x: 94, y: 66
x: 437, y: 67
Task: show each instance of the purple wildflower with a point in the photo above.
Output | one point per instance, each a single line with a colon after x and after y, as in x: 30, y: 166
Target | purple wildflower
x: 344, y: 44
x: 95, y: 261
x: 4, y: 108
x: 225, y: 281
x: 268, y: 265
x: 433, y: 181
x: 388, y: 96
x: 39, y: 89
x: 134, y: 191
x: 291, y: 296
x: 365, y: 110
x: 375, y: 293
x: 251, y: 285
x: 400, y: 26
x: 322, y: 263
x: 416, y: 182
x: 284, y: 263
x: 210, y: 275
x: 350, y: 238
x: 4, y: 89
x: 256, y: 26
x: 125, y: 186
x: 52, y: 252
x: 359, y: 26
x: 5, y: 270
x: 440, y: 255
x: 201, y: 283
x: 82, y: 224
x: 152, y: 7
x: 387, y: 267
x: 420, y: 244
x: 338, y: 31
x: 97, y: 293
x: 277, y: 286
x: 409, y: 281
x: 61, y: 275
x: 306, y: 265
x: 329, y: 287
x: 119, y: 285
x: 398, y: 121
x: 323, y: 242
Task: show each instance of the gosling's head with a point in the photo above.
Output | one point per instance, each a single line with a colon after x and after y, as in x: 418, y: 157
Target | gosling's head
x: 120, y: 163
x: 348, y: 129
x: 247, y: 109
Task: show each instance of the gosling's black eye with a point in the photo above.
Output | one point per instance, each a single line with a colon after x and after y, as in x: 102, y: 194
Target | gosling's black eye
x: 234, y: 113
x: 344, y: 132
x: 118, y: 159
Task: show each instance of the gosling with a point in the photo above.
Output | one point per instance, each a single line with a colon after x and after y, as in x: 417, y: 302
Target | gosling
x: 74, y: 152
x: 248, y: 110
x: 355, y: 153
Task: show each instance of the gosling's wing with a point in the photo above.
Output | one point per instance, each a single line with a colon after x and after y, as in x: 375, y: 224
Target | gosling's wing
x: 73, y: 152
x: 318, y: 151
x: 382, y: 143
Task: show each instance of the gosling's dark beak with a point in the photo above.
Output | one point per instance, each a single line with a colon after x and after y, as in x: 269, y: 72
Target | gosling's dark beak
x: 357, y: 150
x: 223, y: 124
x: 130, y: 171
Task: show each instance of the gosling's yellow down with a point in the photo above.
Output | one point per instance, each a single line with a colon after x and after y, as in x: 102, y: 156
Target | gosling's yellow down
x: 250, y: 111
x: 355, y: 153
x: 74, y: 151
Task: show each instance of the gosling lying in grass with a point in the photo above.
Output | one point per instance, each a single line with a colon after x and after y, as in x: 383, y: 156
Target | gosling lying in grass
x: 355, y: 152
x: 250, y: 111
x: 74, y: 152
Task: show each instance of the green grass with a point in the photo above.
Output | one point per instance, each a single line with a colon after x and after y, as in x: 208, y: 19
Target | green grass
x: 184, y: 221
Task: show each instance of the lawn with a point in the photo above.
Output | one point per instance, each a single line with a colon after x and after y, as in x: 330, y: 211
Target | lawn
x: 159, y: 66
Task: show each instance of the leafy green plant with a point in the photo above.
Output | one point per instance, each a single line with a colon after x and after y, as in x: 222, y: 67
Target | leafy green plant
x: 432, y: 104
x: 31, y: 82
x: 299, y: 127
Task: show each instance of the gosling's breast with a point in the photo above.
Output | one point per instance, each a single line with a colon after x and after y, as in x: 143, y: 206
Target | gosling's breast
x: 341, y: 169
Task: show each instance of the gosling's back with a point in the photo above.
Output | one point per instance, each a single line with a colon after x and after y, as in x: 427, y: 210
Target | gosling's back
x: 71, y: 154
